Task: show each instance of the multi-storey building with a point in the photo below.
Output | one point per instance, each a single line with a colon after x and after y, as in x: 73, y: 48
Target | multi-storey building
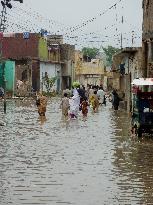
x: 147, y: 38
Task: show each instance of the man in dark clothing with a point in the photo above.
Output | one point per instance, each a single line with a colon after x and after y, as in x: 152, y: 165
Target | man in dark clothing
x: 82, y: 95
x: 81, y: 92
x: 116, y: 100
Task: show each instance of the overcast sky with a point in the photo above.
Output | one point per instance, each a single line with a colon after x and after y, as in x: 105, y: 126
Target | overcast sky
x: 58, y: 16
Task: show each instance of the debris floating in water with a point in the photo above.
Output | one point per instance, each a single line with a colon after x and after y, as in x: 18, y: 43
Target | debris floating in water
x: 2, y: 123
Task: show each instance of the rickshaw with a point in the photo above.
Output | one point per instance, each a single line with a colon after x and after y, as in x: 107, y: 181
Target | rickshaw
x: 142, y: 106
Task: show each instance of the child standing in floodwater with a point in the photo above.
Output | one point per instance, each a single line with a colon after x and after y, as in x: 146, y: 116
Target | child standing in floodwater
x: 65, y: 106
x: 94, y: 102
x: 41, y: 103
x: 84, y: 107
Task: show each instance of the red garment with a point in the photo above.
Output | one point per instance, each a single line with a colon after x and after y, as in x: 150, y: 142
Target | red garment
x: 84, y: 108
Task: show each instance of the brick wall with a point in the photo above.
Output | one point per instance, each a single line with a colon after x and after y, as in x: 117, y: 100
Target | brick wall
x: 17, y: 47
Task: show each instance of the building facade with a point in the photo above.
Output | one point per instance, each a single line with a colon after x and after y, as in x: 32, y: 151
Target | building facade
x: 68, y: 59
x: 127, y: 65
x: 26, y: 52
x: 147, y: 38
x: 7, y: 74
x: 36, y: 56
x: 89, y: 72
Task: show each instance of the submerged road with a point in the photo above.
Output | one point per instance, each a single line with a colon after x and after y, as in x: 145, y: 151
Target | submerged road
x: 93, y: 162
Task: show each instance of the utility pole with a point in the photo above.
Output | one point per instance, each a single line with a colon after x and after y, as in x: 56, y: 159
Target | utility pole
x: 121, y: 41
x: 5, y: 4
x: 132, y: 38
x: 2, y: 29
x: 3, y: 17
x: 122, y: 34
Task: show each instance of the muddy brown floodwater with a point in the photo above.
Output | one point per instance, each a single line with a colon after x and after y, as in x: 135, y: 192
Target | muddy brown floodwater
x: 93, y: 162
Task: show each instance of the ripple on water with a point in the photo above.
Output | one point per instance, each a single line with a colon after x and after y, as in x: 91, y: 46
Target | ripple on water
x: 78, y: 162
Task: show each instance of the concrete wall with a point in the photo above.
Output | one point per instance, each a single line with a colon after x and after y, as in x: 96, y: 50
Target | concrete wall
x: 67, y: 55
x: 132, y: 60
x: 53, y: 70
x: 67, y: 52
x: 54, y: 54
x: 9, y: 72
x: 23, y: 72
x: 55, y: 39
x: 147, y: 38
x: 67, y: 68
x: 147, y: 19
x: 43, y: 50
x: 88, y: 72
x: 89, y: 79
x: 135, y: 65
x: 36, y: 75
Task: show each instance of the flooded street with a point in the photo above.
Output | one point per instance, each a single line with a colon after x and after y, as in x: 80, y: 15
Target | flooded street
x: 93, y: 162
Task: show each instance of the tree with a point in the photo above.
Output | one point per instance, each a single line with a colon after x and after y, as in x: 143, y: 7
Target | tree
x: 89, y: 53
x: 110, y: 51
x: 49, y: 82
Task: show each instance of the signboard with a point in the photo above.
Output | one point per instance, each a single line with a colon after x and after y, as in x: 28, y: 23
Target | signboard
x: 26, y: 35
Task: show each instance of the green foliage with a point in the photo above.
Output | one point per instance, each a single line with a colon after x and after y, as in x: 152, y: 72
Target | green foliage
x: 76, y: 84
x: 49, y: 82
x: 110, y: 51
x: 90, y: 52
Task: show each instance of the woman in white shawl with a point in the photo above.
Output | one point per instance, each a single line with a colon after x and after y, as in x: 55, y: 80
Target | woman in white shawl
x: 101, y: 95
x: 74, y: 104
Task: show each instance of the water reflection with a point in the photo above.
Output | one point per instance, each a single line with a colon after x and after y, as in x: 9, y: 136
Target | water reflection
x: 50, y: 161
x: 133, y: 161
x: 42, y: 120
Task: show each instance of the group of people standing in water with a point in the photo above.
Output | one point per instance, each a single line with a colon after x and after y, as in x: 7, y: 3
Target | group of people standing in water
x: 80, y: 99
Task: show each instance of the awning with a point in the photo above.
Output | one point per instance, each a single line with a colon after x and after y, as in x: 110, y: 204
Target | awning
x: 142, y: 81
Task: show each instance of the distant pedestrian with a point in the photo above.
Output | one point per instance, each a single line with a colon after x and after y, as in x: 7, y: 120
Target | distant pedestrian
x: 74, y: 104
x: 94, y: 102
x: 116, y: 99
x: 84, y: 107
x: 41, y: 103
x: 65, y: 106
x: 104, y: 100
x: 1, y: 92
x: 81, y: 92
x: 101, y: 95
x: 68, y: 91
x: 91, y: 91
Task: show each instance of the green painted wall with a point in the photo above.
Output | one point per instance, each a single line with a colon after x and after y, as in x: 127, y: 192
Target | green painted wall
x: 8, y: 67
x: 43, y: 51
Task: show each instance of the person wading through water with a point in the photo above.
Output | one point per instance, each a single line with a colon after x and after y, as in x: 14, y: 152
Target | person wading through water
x: 116, y: 100
x: 84, y: 107
x: 101, y: 95
x: 94, y: 102
x: 41, y: 103
x: 65, y: 106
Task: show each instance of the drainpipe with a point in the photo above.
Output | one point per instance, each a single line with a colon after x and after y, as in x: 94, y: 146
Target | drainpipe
x: 4, y: 87
x: 144, y: 58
